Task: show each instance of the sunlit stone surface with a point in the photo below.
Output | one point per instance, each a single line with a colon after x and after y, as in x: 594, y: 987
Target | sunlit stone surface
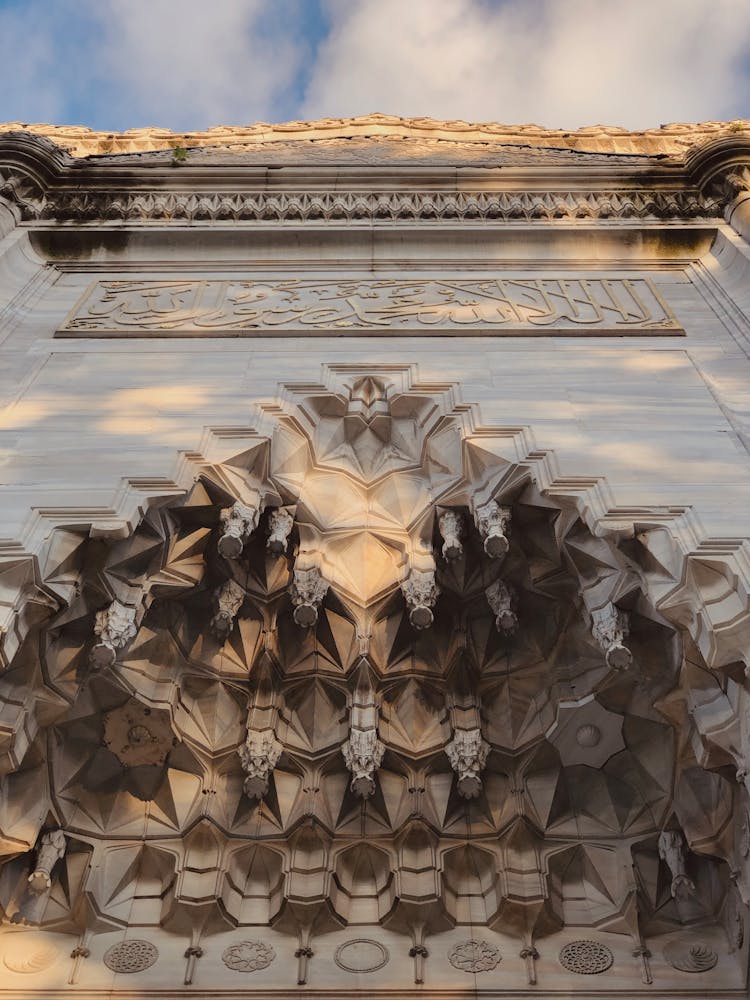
x: 374, y: 561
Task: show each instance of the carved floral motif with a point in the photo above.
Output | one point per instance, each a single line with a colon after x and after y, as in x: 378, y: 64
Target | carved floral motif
x: 114, y: 626
x: 474, y: 956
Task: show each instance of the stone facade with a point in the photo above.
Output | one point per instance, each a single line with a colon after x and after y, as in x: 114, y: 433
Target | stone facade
x: 375, y: 560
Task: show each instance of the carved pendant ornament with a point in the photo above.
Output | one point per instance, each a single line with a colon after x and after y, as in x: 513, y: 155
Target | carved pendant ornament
x: 374, y: 679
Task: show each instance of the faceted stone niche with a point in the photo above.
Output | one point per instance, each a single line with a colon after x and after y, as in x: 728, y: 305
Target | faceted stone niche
x: 367, y: 673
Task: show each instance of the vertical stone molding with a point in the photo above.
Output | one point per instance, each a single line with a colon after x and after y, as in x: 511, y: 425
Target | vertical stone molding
x: 493, y: 524
x: 115, y: 627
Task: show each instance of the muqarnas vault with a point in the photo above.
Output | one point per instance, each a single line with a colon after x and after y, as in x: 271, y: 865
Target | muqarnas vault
x: 374, y: 561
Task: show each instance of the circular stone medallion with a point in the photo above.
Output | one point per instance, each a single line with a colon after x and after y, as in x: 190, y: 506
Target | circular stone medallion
x: 474, y: 956
x: 248, y: 956
x: 690, y: 957
x: 361, y: 955
x: 587, y: 958
x: 131, y: 956
x: 29, y: 953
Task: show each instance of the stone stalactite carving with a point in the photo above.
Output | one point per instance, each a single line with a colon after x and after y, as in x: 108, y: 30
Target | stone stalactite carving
x: 609, y: 627
x: 307, y: 590
x: 493, y: 524
x: 228, y: 600
x: 672, y: 851
x: 239, y: 522
x: 51, y: 850
x: 501, y: 599
x: 450, y: 524
x: 420, y: 592
x: 259, y: 755
x: 280, y: 524
x: 467, y: 753
x: 363, y: 751
x: 115, y: 627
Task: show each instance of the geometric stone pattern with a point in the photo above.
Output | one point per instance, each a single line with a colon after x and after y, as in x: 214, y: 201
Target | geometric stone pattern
x: 371, y: 685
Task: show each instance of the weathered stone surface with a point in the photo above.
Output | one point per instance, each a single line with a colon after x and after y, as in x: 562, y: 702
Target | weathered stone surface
x: 374, y: 567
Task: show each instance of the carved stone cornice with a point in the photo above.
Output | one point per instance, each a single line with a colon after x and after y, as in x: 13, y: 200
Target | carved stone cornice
x: 46, y: 184
x: 671, y: 139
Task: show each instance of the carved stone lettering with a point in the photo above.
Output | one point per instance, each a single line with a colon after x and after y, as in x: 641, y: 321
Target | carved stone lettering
x: 481, y: 305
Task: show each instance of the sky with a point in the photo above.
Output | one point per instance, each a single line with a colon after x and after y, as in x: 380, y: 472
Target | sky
x: 191, y: 64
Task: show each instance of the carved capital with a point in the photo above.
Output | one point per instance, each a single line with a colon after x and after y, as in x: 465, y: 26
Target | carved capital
x: 609, y: 627
x: 228, y: 600
x: 672, y: 851
x: 502, y: 600
x: 51, y: 850
x: 115, y: 627
x: 493, y: 524
x: 239, y: 522
x: 450, y: 524
x: 307, y: 590
x: 280, y: 524
x: 420, y: 592
x: 363, y: 753
x: 467, y: 753
x: 259, y: 755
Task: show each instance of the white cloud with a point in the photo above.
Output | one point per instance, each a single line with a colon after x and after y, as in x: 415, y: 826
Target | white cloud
x: 564, y: 63
x: 192, y: 63
x: 189, y: 64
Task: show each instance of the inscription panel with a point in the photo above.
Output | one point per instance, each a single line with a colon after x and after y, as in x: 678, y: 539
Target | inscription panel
x: 500, y: 306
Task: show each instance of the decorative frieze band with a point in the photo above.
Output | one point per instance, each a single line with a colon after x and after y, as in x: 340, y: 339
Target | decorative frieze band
x: 353, y: 206
x: 515, y: 305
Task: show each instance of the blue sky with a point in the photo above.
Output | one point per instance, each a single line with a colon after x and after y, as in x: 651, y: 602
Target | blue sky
x: 190, y: 64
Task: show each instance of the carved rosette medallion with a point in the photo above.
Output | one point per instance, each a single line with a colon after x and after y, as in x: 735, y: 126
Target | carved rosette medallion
x: 586, y: 958
x: 361, y: 955
x: 131, y: 956
x: 248, y: 956
x: 474, y: 956
x: 29, y: 953
x: 686, y: 956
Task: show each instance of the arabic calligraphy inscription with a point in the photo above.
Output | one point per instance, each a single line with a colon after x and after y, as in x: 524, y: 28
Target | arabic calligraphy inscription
x: 386, y: 306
